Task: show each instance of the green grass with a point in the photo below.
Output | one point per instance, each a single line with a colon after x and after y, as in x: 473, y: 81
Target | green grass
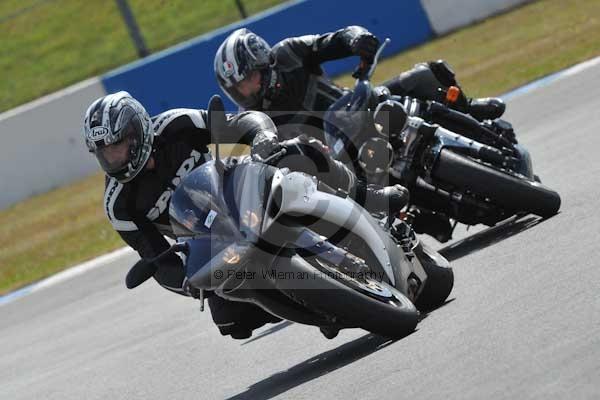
x: 46, y: 233
x: 509, y: 50
x: 55, y: 43
x: 49, y: 232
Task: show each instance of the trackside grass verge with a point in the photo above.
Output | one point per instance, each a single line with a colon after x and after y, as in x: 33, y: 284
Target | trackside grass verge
x: 47, y: 45
x: 507, y: 51
x: 50, y: 232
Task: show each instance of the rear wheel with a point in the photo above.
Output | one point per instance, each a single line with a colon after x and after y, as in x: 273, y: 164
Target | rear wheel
x: 507, y: 191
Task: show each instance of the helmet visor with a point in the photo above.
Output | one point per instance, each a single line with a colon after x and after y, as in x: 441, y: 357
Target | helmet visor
x: 116, y: 156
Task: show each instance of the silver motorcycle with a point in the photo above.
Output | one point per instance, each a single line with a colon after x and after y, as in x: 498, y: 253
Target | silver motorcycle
x: 300, y: 250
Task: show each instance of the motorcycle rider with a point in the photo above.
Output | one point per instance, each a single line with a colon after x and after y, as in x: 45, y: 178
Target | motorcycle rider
x: 146, y: 158
x: 289, y: 78
x: 288, y: 83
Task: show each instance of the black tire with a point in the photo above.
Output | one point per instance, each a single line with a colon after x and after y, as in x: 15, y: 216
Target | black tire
x: 507, y: 191
x: 439, y: 283
x: 392, y: 316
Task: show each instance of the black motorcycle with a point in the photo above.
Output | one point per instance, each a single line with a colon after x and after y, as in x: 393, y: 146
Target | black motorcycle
x: 472, y: 174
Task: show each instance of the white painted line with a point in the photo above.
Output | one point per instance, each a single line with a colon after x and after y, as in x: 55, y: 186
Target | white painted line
x: 576, y: 69
x: 83, y: 268
x: 557, y: 76
x: 67, y: 274
x: 23, y: 108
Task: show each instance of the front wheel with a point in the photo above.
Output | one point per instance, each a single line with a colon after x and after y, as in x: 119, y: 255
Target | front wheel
x: 368, y: 304
x: 505, y: 190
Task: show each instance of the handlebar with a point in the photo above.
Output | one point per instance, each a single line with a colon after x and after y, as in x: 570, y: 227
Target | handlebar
x: 144, y: 269
x: 272, y: 157
x: 365, y: 70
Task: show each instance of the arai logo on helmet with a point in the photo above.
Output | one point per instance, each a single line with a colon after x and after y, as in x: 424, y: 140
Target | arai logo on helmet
x: 98, y: 132
x: 228, y: 69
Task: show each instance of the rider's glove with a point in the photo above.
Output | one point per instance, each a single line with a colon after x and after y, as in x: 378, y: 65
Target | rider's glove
x: 365, y: 46
x: 305, y: 142
x: 264, y: 146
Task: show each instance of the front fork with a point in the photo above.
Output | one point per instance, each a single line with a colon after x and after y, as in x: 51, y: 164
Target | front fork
x: 413, y: 249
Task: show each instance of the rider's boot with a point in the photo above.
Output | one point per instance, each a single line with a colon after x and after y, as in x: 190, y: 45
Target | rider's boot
x: 374, y: 198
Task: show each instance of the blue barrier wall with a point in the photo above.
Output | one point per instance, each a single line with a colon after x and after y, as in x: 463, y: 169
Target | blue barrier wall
x: 183, y: 75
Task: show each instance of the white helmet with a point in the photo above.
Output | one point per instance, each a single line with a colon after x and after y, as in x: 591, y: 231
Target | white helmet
x: 241, y: 53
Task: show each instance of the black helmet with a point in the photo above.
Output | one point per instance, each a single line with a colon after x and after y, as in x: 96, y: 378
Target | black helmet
x: 240, y: 54
x: 118, y: 130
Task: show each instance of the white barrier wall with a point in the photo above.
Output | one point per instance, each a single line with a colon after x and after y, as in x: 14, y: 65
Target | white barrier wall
x: 448, y: 15
x: 42, y: 146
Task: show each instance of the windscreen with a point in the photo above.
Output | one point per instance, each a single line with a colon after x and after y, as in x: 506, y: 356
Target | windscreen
x: 346, y: 119
x: 228, y: 205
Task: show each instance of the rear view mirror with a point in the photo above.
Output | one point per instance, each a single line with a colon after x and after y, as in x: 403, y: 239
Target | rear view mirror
x: 216, y: 114
x: 391, y: 116
x: 140, y: 273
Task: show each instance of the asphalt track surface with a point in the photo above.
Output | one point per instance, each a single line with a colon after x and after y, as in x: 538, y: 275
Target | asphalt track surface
x: 523, y: 321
